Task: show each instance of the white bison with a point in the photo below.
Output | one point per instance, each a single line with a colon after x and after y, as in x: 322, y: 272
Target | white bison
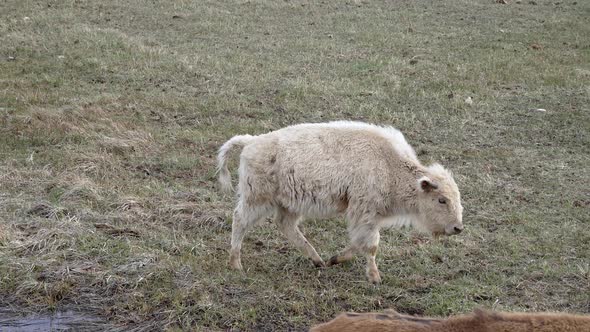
x: 367, y: 173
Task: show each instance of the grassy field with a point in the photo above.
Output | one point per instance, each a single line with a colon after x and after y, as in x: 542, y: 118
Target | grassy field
x: 111, y: 113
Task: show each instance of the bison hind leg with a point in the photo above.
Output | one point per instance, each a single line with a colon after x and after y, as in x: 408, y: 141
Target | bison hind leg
x: 288, y: 224
x: 245, y: 216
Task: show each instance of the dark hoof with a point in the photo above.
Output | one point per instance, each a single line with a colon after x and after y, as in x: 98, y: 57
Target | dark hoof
x: 319, y: 264
x: 333, y: 261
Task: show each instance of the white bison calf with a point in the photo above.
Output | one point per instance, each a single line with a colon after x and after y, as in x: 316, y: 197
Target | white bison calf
x: 367, y: 173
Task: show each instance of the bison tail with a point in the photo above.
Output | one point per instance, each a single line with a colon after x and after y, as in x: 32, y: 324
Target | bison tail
x: 224, y: 175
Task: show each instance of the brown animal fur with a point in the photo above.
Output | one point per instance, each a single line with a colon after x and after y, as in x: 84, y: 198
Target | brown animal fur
x: 478, y: 321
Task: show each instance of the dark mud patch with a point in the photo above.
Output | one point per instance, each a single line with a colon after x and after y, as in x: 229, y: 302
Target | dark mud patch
x: 59, y: 321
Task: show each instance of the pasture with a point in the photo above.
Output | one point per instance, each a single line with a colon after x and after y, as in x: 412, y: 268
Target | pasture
x: 111, y: 114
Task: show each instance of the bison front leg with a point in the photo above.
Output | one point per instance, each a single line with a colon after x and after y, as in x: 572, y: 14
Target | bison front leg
x: 366, y: 238
x: 342, y: 257
x: 372, y: 270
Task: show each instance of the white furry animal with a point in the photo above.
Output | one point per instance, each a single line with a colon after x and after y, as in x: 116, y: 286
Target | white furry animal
x: 367, y: 173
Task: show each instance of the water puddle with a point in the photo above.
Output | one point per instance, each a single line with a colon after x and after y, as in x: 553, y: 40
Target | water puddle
x: 59, y: 321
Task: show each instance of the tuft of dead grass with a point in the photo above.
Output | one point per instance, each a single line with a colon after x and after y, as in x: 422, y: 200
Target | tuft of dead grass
x: 46, y: 210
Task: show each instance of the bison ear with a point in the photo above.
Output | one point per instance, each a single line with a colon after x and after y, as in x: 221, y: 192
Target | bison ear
x: 426, y: 185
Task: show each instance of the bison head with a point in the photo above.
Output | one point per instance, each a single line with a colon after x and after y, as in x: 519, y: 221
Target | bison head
x: 439, y: 202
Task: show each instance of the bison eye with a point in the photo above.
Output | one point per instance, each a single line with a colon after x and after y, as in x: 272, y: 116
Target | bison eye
x: 442, y: 201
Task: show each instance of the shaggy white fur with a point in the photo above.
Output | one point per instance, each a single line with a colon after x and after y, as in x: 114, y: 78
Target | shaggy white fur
x: 367, y: 173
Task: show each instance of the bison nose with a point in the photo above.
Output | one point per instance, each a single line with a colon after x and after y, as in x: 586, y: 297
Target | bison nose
x: 458, y: 229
